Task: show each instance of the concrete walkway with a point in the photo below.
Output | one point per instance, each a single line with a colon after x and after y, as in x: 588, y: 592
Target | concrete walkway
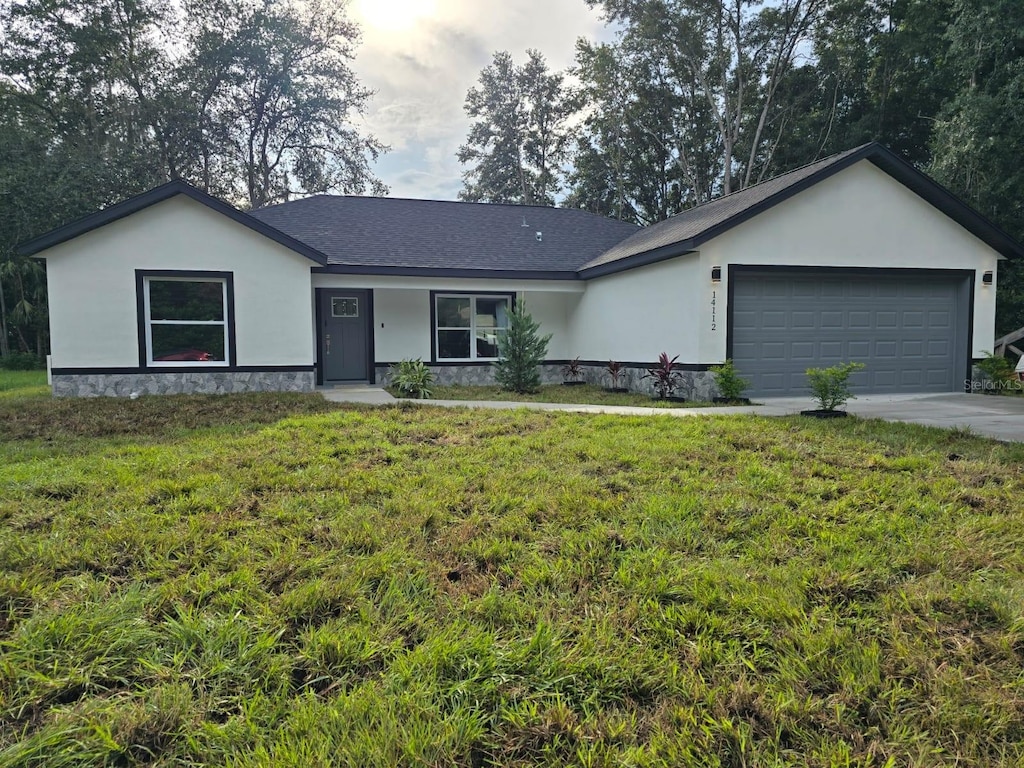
x: 987, y: 415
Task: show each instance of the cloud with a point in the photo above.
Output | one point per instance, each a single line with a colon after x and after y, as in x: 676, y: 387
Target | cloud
x: 421, y: 76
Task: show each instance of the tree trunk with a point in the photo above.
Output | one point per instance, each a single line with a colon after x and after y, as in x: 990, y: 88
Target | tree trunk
x: 5, y: 348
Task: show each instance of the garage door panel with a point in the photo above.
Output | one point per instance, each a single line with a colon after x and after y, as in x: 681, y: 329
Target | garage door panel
x: 905, y: 329
x: 859, y: 349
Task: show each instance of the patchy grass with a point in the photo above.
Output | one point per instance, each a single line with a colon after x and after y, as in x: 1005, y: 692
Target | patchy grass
x: 584, y: 394
x: 22, y: 384
x: 49, y: 419
x: 415, y: 586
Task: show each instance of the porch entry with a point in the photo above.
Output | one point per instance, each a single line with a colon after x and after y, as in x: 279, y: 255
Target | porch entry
x: 345, y: 322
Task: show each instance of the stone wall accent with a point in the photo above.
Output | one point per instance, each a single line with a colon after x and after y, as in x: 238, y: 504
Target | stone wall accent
x: 469, y: 375
x: 694, y: 385
x: 174, y: 383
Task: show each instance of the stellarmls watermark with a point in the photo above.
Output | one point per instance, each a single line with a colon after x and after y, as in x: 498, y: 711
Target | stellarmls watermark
x: 988, y: 385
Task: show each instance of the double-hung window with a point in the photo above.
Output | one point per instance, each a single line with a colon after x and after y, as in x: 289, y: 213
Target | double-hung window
x: 186, y: 319
x: 467, y: 327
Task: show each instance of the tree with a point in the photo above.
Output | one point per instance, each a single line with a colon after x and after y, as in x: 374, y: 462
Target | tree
x: 517, y: 142
x: 274, y: 99
x: 723, y: 62
x: 980, y: 129
x: 251, y: 100
x: 521, y: 351
x: 623, y: 163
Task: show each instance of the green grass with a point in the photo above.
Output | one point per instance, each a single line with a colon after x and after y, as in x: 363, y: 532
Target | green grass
x: 585, y: 394
x: 296, y: 583
x: 22, y: 383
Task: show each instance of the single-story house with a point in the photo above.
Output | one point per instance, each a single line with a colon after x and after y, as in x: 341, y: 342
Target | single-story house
x: 857, y: 257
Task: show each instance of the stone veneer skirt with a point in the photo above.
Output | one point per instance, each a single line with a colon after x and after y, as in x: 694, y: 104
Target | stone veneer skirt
x: 173, y: 383
x: 694, y: 385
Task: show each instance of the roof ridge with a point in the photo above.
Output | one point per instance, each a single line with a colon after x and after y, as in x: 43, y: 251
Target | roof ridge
x: 514, y: 206
x: 830, y: 158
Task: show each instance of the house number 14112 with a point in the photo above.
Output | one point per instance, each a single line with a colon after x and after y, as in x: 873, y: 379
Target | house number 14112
x: 714, y: 310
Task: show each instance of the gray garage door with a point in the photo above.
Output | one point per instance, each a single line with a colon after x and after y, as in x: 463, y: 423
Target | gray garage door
x: 910, y: 329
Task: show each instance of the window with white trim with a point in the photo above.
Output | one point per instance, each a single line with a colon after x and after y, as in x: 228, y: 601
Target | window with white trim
x: 467, y: 327
x: 186, y: 321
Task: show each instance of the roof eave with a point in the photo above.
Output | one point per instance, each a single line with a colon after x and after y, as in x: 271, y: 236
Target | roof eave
x: 493, y: 274
x: 653, y: 256
x: 148, y: 199
x: 948, y: 203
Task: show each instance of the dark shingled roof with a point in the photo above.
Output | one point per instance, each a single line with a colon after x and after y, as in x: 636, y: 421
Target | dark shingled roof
x: 691, y: 224
x: 375, y: 235
x: 686, y: 231
x: 376, y: 232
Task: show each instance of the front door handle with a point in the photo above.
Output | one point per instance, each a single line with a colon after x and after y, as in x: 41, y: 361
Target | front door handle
x: 327, y: 343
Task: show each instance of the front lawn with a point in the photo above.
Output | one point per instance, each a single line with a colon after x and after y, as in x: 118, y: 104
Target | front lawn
x: 584, y: 394
x: 414, y: 586
x: 22, y: 383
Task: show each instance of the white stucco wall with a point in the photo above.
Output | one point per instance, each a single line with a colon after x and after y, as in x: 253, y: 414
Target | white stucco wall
x: 860, y: 217
x: 401, y: 308
x: 636, y: 315
x: 91, y: 283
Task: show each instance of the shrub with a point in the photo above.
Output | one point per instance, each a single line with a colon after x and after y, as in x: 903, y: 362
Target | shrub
x: 573, y: 371
x: 521, y: 350
x: 412, y: 379
x: 615, y: 369
x: 666, y: 377
x: 730, y: 385
x: 997, y: 367
x: 21, y: 361
x: 831, y: 386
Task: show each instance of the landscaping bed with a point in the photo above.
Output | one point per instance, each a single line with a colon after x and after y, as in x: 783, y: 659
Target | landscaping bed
x: 421, y: 586
x: 584, y: 394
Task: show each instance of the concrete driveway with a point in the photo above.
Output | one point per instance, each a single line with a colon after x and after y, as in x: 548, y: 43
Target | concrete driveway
x: 986, y: 415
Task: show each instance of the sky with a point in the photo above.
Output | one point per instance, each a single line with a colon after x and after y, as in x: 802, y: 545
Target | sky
x: 422, y: 56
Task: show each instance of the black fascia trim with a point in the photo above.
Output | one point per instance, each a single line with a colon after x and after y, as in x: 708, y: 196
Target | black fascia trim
x: 969, y: 374
x: 664, y: 253
x: 141, y: 275
x: 896, y: 167
x: 184, y: 369
x: 318, y: 300
x: 493, y: 274
x: 371, y: 349
x: 947, y: 202
x: 433, y: 322
x: 158, y: 195
x: 852, y: 270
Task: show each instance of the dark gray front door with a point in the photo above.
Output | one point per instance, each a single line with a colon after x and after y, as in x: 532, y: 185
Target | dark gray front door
x: 909, y: 329
x: 344, y: 330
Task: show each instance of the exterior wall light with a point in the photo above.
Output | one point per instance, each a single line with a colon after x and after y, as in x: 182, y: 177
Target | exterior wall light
x: 986, y: 278
x: 716, y: 274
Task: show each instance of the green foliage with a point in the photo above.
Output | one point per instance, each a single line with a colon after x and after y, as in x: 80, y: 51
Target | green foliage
x: 103, y: 99
x: 831, y: 386
x: 517, y: 141
x: 21, y: 361
x: 997, y: 367
x: 417, y: 586
x: 730, y: 384
x: 521, y: 351
x: 412, y: 379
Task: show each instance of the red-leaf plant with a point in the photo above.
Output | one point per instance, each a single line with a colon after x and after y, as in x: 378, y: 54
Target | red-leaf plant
x: 666, y: 377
